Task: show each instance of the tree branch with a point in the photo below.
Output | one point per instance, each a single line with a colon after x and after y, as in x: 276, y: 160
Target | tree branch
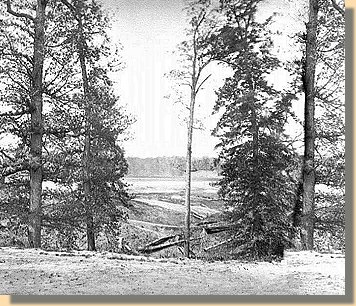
x: 338, y: 8
x: 14, y: 114
x: 329, y: 223
x: 71, y: 8
x: 17, y: 14
x: 9, y: 172
x: 68, y: 5
x: 201, y: 84
x: 6, y: 155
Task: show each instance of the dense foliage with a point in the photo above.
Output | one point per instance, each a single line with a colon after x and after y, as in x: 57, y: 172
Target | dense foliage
x: 254, y: 153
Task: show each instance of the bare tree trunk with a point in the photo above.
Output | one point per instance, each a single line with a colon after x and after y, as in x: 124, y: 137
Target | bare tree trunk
x: 189, y: 175
x: 35, y: 220
x: 193, y: 93
x: 309, y: 130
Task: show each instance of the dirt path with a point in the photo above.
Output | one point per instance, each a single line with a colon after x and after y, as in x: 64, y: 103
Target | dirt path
x: 47, y: 273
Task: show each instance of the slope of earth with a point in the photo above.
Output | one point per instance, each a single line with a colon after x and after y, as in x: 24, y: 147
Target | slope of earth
x: 37, y: 272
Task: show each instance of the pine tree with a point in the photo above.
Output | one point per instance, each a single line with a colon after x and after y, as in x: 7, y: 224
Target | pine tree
x: 25, y: 106
x: 108, y: 165
x: 254, y: 157
x: 93, y: 162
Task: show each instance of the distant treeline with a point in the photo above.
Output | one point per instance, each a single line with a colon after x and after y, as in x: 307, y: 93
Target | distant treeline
x: 168, y: 166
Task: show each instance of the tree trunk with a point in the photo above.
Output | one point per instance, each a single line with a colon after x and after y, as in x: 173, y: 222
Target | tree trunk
x: 87, y: 142
x: 307, y: 230
x: 34, y: 224
x: 193, y: 93
x: 255, y: 152
x: 189, y: 174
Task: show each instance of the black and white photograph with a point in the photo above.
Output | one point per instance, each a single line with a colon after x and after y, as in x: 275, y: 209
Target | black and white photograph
x: 172, y: 148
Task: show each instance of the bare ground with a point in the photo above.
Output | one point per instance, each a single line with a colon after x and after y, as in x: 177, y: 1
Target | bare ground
x: 38, y: 272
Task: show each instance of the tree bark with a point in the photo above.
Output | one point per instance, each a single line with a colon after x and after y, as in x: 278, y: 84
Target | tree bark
x: 36, y: 175
x: 307, y: 230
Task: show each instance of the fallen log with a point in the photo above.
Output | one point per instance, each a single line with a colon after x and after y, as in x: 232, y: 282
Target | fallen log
x: 196, y: 215
x: 160, y: 241
x: 164, y: 246
x: 160, y: 247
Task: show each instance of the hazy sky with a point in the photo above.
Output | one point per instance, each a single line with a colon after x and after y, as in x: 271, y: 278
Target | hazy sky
x: 149, y: 30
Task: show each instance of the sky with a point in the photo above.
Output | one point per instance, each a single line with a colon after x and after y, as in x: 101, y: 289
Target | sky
x: 149, y: 31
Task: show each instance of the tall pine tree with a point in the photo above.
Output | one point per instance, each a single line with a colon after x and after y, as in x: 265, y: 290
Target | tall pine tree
x: 94, y: 162
x: 254, y: 157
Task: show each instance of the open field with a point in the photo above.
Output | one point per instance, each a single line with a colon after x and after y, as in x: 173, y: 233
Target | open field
x: 169, y: 192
